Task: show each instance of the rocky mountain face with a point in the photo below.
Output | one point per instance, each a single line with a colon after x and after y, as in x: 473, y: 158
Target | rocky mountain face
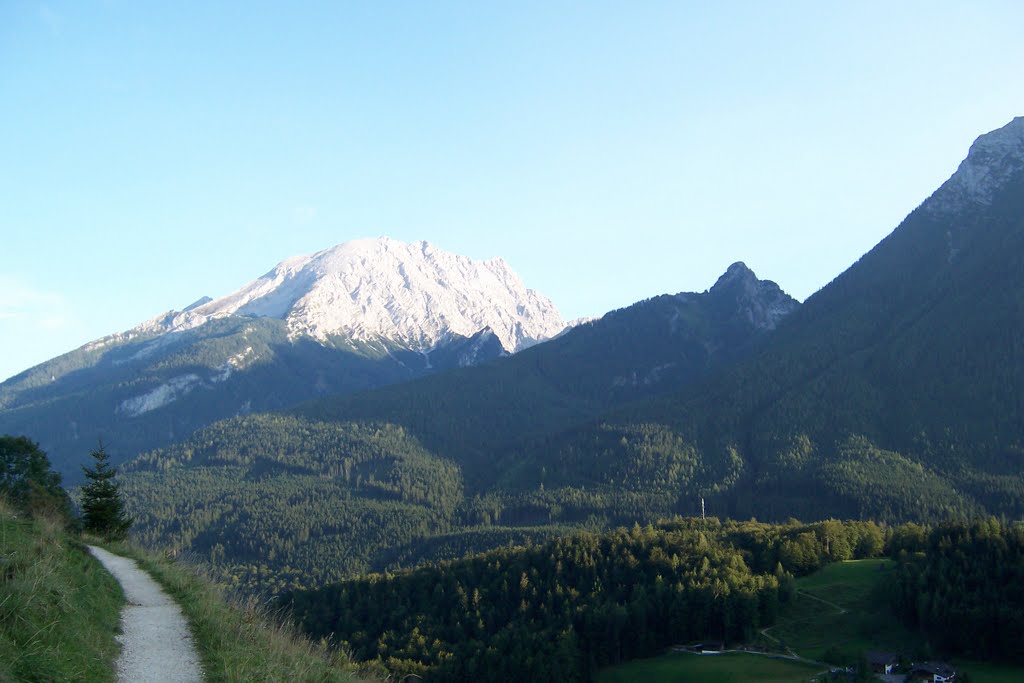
x: 352, y: 317
x: 749, y: 302
x: 993, y: 162
x: 414, y: 296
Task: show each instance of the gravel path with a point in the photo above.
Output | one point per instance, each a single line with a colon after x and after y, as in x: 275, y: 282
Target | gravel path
x: 155, y: 642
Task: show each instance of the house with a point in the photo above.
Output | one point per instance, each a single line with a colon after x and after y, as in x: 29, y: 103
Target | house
x: 883, y: 662
x: 837, y: 675
x: 702, y: 648
x: 934, y: 672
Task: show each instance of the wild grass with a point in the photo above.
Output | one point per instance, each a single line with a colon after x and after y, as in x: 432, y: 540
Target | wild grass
x: 239, y: 639
x: 59, y: 610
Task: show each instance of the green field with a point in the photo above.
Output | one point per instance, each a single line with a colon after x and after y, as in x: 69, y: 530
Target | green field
x: 726, y: 668
x: 839, y: 608
x: 981, y: 672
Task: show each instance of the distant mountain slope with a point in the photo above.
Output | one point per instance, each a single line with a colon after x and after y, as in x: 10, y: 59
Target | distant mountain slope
x: 896, y: 390
x: 242, y: 491
x: 356, y: 316
x: 652, y: 347
x: 893, y: 393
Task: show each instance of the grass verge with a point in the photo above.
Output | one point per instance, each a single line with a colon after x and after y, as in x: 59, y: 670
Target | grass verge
x: 59, y: 609
x: 239, y: 640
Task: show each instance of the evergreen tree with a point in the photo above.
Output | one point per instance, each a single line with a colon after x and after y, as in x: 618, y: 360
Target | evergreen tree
x: 102, y: 506
x: 27, y: 480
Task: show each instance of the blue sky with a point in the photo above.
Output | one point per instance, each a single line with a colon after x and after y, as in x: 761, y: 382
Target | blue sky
x: 152, y: 153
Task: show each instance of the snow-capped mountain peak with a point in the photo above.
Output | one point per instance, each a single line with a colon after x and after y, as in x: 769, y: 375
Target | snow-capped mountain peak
x: 412, y: 294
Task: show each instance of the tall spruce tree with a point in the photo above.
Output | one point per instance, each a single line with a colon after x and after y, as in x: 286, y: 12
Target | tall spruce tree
x: 103, y: 510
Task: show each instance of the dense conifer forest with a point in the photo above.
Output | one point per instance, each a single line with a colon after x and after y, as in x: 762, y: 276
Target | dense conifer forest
x: 962, y: 586
x: 561, y: 610
x: 280, y: 502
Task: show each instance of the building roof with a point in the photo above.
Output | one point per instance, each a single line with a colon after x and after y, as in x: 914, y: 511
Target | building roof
x: 940, y: 668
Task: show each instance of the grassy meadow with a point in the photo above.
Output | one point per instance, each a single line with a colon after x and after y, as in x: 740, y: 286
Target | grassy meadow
x: 840, y: 609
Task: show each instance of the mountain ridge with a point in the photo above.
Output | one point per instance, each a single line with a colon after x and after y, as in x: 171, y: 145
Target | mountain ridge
x: 360, y: 314
x: 892, y: 393
x: 358, y: 468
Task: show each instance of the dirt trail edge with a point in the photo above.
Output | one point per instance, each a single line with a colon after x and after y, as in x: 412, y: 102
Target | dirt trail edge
x: 156, y: 645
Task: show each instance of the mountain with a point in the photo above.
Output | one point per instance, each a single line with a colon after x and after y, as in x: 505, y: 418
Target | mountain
x: 651, y: 347
x: 413, y: 296
x: 356, y: 316
x: 411, y: 471
x: 895, y: 391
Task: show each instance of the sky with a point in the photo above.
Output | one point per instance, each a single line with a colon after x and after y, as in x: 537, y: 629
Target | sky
x: 154, y: 153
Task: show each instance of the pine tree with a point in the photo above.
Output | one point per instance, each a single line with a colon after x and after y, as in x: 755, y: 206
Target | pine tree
x: 103, y: 510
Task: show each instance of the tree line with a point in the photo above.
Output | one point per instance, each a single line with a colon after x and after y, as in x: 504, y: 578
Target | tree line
x: 962, y: 585
x: 563, y: 609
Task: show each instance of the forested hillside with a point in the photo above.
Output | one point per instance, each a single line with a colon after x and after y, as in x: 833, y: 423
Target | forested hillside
x: 894, y: 391
x: 965, y: 578
x: 561, y: 610
x: 277, y: 501
x: 271, y: 501
x: 650, y: 348
x: 898, y: 381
